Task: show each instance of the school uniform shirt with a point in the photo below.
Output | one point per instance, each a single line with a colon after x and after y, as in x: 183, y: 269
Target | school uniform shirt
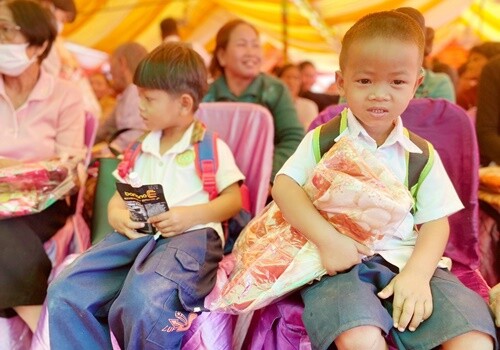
x: 175, y: 171
x: 436, y: 197
x: 50, y: 123
x: 271, y: 93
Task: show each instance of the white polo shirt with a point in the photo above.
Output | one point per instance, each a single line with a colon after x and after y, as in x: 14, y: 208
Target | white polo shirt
x: 175, y: 170
x: 436, y: 197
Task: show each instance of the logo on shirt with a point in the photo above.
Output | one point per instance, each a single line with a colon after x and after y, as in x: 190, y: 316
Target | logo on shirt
x: 185, y: 158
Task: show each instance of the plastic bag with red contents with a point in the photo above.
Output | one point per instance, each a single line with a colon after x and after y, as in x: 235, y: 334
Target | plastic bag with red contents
x: 352, y: 189
x: 29, y: 188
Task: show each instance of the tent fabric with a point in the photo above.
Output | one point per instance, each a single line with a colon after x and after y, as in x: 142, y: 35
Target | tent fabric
x: 315, y: 27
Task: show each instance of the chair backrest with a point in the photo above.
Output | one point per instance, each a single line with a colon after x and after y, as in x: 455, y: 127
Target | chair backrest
x: 248, y: 130
x: 449, y: 128
x: 91, y: 125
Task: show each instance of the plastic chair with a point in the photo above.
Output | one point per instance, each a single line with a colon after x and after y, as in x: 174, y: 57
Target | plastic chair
x: 248, y: 130
x: 73, y: 237
x: 448, y: 127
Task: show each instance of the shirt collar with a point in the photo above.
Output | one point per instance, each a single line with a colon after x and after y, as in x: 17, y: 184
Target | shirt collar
x: 42, y: 89
x: 224, y: 94
x: 397, y: 135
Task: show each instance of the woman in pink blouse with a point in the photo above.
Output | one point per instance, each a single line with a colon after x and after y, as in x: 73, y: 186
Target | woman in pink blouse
x: 41, y: 118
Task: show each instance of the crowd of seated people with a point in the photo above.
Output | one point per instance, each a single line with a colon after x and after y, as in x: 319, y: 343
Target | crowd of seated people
x: 54, y: 126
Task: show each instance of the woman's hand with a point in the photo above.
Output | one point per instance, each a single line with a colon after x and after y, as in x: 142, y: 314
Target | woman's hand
x: 7, y: 162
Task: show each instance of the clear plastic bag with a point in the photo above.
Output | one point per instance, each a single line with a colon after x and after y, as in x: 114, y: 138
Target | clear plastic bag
x: 29, y: 188
x: 351, y: 189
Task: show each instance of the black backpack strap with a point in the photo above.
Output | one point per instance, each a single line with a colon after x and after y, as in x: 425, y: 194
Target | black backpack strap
x: 418, y: 164
x: 325, y: 134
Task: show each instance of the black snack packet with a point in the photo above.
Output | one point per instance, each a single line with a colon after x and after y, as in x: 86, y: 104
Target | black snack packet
x: 143, y: 202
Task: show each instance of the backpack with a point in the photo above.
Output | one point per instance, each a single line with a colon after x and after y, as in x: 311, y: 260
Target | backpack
x: 206, y: 164
x: 418, y: 165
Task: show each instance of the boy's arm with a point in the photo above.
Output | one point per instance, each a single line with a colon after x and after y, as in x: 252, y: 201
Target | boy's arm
x: 411, y: 287
x: 119, y: 218
x: 338, y: 252
x: 178, y: 219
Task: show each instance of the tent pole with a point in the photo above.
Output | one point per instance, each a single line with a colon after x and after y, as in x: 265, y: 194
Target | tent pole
x: 284, y: 22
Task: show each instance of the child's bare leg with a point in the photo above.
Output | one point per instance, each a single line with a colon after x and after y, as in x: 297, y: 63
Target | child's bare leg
x: 470, y: 340
x: 30, y: 314
x: 361, y: 338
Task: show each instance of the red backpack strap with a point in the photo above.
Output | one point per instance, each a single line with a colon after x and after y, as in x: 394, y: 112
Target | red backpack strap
x: 129, y: 157
x: 207, y: 162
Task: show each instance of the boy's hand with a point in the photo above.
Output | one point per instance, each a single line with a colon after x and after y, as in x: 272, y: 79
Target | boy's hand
x: 119, y: 219
x: 412, y: 302
x: 341, y: 254
x: 174, y: 222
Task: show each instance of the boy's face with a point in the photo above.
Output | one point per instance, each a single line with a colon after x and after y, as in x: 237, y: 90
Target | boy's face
x: 379, y: 79
x: 160, y: 110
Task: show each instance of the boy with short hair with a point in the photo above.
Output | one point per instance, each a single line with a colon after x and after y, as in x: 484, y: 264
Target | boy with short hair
x: 148, y: 290
x: 397, y: 288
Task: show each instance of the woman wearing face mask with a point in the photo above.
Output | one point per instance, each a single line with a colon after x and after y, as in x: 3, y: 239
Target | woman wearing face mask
x: 41, y: 118
x: 236, y: 62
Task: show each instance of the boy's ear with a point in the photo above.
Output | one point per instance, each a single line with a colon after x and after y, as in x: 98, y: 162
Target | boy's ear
x: 420, y: 79
x: 339, y: 80
x: 187, y: 103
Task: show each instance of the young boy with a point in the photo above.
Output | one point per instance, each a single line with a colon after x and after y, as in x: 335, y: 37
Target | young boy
x: 150, y: 291
x: 397, y: 289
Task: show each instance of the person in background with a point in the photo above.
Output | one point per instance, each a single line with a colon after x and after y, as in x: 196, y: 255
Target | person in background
x: 170, y: 33
x: 237, y: 61
x: 307, y: 110
x: 61, y: 62
x: 104, y: 92
x: 479, y: 55
x: 308, y: 76
x: 488, y: 112
x: 435, y: 85
x: 125, y: 116
x: 64, y: 11
x: 400, y: 287
x: 441, y: 67
x: 42, y: 118
x: 149, y: 289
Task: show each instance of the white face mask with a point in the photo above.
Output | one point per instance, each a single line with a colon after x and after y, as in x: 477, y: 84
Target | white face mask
x: 13, y: 59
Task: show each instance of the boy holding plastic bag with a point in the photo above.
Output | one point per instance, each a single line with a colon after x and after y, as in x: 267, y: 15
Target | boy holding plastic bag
x: 400, y: 287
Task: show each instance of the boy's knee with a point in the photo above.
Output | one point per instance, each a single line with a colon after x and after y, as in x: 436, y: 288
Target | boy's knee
x: 361, y: 338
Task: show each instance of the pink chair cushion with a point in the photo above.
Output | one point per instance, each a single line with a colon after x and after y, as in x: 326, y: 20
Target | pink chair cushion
x: 248, y: 130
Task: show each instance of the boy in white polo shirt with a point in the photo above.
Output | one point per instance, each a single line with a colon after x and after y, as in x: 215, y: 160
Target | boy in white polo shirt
x: 149, y: 291
x: 398, y: 289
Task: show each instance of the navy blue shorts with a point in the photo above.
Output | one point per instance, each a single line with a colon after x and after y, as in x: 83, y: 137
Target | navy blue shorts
x: 338, y: 303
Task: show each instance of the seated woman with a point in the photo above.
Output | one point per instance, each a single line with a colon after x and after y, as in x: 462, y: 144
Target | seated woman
x: 236, y: 64
x: 42, y: 118
x: 307, y: 110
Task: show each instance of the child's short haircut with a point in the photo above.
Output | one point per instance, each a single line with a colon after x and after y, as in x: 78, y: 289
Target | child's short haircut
x: 175, y: 68
x: 385, y: 24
